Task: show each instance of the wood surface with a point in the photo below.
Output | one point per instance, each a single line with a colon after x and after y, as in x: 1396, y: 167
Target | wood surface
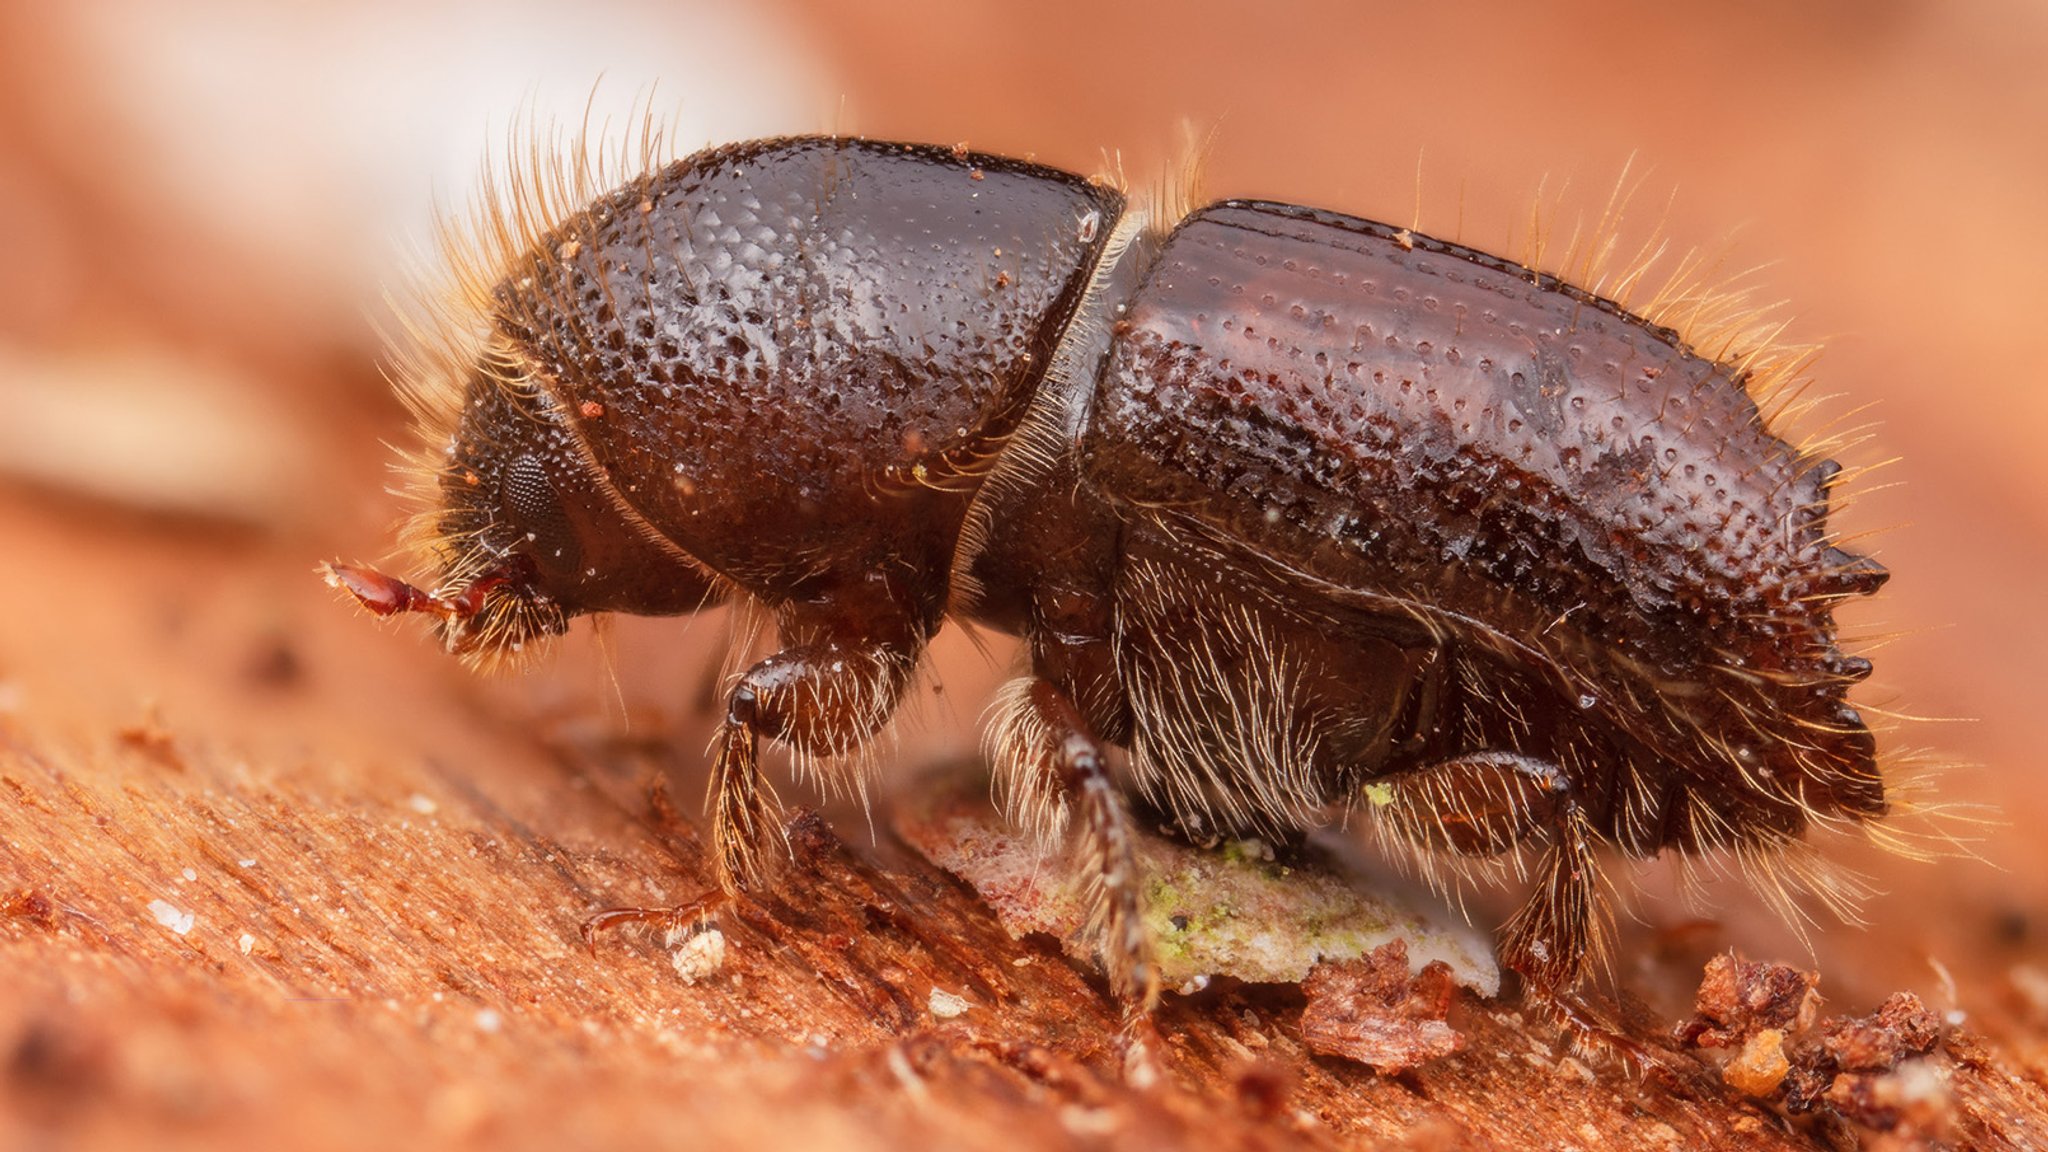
x: 383, y: 946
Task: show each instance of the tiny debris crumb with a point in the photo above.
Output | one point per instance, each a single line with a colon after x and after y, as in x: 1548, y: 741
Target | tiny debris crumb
x: 1252, y: 848
x: 1881, y: 1071
x: 423, y: 805
x: 190, y: 874
x: 171, y: 916
x: 945, y: 1005
x: 153, y: 740
x: 246, y: 943
x: 1372, y: 1011
x: 1761, y: 1065
x: 700, y: 957
x: 1915, y: 1095
x: 488, y: 1020
x: 29, y: 905
x: 1740, y: 998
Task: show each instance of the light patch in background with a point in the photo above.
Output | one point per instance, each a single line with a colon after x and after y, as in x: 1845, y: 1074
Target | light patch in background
x: 150, y: 431
x: 288, y: 124
x: 265, y: 174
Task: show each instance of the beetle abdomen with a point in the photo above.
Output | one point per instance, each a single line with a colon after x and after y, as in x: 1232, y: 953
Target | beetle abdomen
x: 1563, y: 490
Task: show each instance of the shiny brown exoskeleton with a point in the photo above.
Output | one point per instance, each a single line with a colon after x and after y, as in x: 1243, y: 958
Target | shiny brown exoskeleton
x: 1305, y: 512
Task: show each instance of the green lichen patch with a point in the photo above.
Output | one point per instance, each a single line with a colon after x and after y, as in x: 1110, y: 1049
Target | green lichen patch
x: 1229, y: 911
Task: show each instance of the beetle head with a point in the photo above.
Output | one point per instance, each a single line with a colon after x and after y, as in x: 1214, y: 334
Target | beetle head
x: 522, y: 530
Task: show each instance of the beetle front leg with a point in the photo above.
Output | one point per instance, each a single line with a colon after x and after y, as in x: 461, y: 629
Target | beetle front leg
x: 1047, y: 764
x: 1487, y: 803
x: 825, y: 700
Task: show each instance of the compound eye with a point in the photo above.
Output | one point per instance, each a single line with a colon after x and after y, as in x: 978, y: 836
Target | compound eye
x: 529, y: 499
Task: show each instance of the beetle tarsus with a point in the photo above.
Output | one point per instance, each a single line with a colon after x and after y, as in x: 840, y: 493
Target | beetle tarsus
x: 1051, y: 759
x: 1592, y: 1033
x: 1554, y: 935
x: 743, y: 809
x: 1110, y: 871
x: 668, y: 919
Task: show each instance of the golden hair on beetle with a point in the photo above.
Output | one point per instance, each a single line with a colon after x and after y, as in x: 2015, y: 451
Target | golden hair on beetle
x: 1211, y: 689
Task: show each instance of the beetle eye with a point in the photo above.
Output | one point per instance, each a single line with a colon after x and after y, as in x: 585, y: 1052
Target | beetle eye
x: 530, y: 501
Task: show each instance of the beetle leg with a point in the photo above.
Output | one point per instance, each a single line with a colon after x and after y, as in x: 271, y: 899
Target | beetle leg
x: 1047, y: 764
x: 825, y: 700
x: 1562, y: 925
x: 1487, y: 803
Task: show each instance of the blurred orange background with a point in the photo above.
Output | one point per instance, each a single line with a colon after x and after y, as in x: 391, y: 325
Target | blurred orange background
x: 202, y: 206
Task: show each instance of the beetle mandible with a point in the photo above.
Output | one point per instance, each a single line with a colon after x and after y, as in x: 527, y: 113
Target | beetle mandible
x: 1305, y: 512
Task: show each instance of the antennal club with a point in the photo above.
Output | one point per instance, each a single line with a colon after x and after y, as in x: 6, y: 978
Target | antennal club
x: 389, y: 596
